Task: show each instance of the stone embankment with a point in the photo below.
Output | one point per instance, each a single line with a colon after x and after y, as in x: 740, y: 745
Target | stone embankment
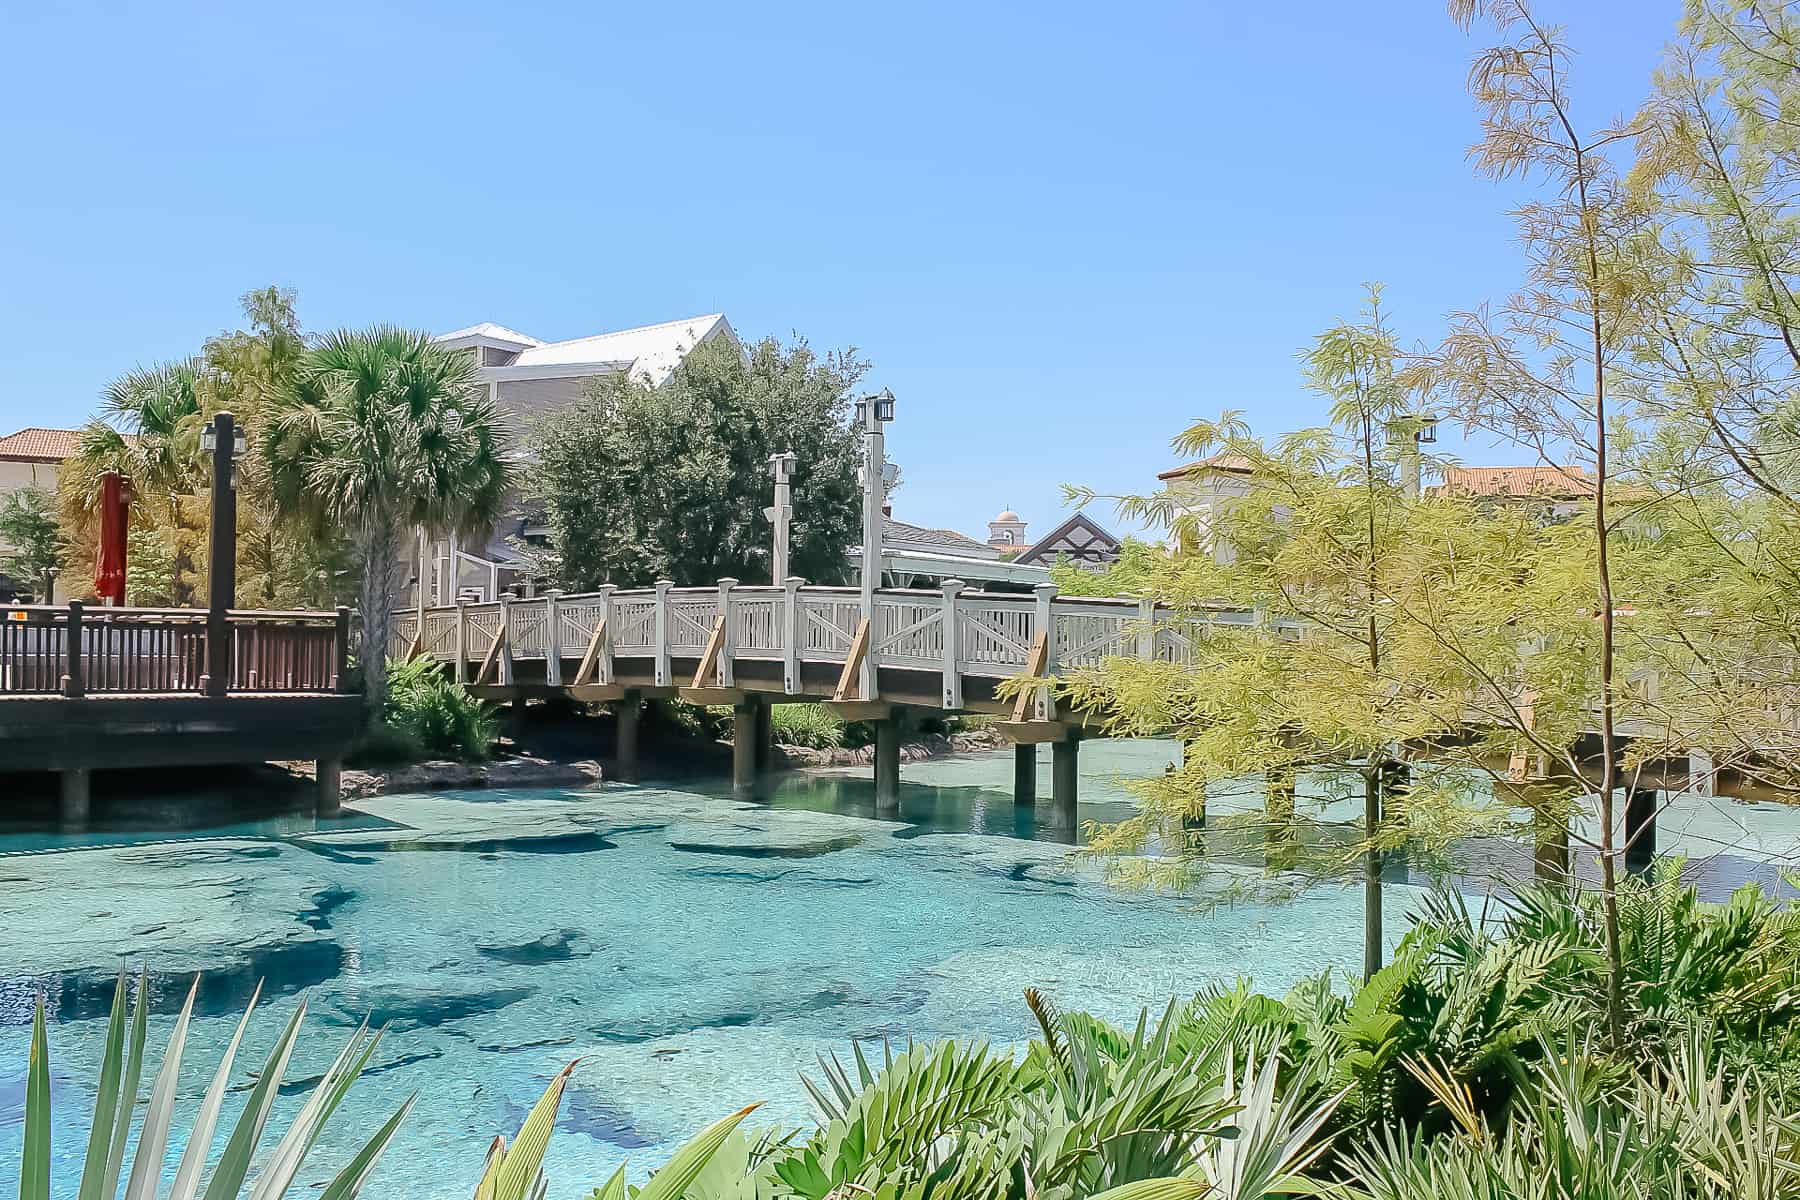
x: 531, y: 771
x: 922, y: 747
x: 524, y: 771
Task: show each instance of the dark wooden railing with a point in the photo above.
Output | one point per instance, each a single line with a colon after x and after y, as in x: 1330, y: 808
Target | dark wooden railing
x: 286, y: 652
x: 75, y: 650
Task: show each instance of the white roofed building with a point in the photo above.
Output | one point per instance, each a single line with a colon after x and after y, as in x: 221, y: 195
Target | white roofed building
x: 529, y: 377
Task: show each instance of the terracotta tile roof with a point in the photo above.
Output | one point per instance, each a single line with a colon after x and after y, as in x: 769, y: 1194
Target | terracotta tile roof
x: 35, y: 444
x: 1235, y: 463
x: 1547, y: 483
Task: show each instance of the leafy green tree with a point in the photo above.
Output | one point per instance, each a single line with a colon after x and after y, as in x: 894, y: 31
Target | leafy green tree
x: 1547, y: 369
x: 641, y: 482
x: 1128, y: 575
x: 1718, y: 163
x: 31, y: 547
x: 1334, y: 680
x: 384, y: 431
x: 281, y: 563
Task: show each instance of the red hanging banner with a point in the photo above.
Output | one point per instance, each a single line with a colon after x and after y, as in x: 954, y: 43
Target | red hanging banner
x: 115, y: 518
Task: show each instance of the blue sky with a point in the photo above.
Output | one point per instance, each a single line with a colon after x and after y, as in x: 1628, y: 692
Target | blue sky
x: 1061, y: 232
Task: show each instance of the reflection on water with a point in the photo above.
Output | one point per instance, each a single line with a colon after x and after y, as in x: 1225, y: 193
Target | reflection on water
x: 29, y: 822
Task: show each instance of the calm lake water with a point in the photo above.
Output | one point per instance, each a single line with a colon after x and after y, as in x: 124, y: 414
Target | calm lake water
x: 695, y: 953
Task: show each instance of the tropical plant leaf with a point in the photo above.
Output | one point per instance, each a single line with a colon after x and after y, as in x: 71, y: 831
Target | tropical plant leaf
x: 106, y: 1097
x: 34, y: 1169
x: 128, y: 1087
x: 234, y: 1163
x: 200, y: 1135
x: 612, y: 1189
x: 153, y: 1138
x: 278, y: 1173
x: 349, y: 1181
x: 1158, y: 1189
x: 672, y: 1180
x: 525, y: 1157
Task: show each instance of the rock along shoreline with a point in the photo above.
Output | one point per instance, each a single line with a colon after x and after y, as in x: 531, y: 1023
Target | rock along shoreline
x: 531, y: 771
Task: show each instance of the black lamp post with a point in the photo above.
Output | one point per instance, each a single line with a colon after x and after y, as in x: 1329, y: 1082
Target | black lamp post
x: 224, y: 441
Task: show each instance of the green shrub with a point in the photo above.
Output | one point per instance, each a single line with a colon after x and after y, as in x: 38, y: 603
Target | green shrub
x: 437, y: 714
x: 812, y: 726
x: 704, y: 721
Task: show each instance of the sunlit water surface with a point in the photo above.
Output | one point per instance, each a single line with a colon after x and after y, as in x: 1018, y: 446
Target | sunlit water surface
x: 695, y: 953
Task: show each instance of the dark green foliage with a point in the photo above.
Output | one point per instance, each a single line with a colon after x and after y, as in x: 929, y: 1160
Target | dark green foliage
x: 437, y: 716
x: 1472, y: 1067
x: 641, y: 483
x: 812, y: 726
x: 31, y: 548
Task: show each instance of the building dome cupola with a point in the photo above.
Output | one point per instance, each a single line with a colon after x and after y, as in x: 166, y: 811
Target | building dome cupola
x: 1007, y: 529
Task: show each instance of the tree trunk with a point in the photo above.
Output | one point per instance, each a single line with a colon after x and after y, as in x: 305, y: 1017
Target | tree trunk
x: 1372, y: 921
x: 380, y: 586
x: 179, y: 596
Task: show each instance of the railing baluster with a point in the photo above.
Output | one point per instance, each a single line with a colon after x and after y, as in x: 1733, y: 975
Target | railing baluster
x: 727, y: 643
x: 790, y: 636
x: 72, y: 678
x: 952, y: 668
x: 553, y: 638
x: 660, y: 632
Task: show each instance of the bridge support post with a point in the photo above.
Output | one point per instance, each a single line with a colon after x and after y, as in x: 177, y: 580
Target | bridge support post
x: 462, y: 641
x: 1065, y: 778
x: 949, y: 626
x: 1024, y: 775
x: 329, y: 772
x: 1549, y: 802
x: 887, y: 766
x: 743, y: 748
x: 765, y: 735
x: 1640, y: 829
x: 77, y: 798
x: 665, y: 676
x: 1281, y: 838
x: 1702, y: 776
x: 627, y: 710
x: 506, y: 641
x: 1550, y: 848
x: 1195, y: 816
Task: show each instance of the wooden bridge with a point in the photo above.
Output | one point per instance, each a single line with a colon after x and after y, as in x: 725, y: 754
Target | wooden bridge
x: 947, y: 649
x: 92, y: 688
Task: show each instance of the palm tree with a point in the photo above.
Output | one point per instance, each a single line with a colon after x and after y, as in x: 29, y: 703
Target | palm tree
x: 383, y: 431
x: 150, y: 432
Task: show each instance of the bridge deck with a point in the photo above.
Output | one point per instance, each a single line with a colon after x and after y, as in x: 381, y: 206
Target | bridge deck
x: 84, y: 689
x: 959, y: 642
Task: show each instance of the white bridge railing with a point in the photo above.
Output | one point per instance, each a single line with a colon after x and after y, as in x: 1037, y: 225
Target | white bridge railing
x: 951, y: 631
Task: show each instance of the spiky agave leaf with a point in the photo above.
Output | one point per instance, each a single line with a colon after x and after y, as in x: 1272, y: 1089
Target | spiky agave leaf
x: 234, y: 1163
x: 106, y: 1100
x: 153, y: 1138
x: 34, y: 1169
x: 116, y: 1100
x: 520, y: 1166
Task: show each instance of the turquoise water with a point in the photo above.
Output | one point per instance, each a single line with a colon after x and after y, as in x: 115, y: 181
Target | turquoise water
x: 695, y: 953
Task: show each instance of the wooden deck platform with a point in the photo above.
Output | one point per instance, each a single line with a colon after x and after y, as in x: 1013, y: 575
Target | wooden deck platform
x: 118, y: 688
